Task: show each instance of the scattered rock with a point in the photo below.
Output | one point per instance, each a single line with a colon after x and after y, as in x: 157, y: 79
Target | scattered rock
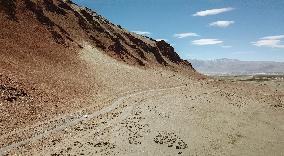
x: 170, y: 139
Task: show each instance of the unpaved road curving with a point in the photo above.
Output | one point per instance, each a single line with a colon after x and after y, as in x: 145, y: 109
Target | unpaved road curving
x: 42, y: 130
x: 197, y: 119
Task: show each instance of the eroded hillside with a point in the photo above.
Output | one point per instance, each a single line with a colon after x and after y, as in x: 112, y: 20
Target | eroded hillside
x: 42, y: 72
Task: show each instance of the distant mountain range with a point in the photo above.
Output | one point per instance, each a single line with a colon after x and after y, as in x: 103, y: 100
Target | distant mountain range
x: 226, y: 66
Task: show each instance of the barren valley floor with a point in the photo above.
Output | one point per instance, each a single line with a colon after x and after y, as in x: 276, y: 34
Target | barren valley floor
x: 206, y: 117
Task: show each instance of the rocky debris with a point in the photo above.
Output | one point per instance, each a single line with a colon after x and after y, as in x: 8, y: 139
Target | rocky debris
x: 278, y: 105
x: 95, y: 143
x: 234, y: 138
x: 153, y: 109
x: 233, y: 98
x: 101, y: 147
x: 171, y: 140
x: 279, y: 101
x: 102, y: 144
x: 11, y: 94
x: 136, y: 127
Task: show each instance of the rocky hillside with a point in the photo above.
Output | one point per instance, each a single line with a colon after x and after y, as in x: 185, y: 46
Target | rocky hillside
x: 41, y: 70
x: 68, y: 24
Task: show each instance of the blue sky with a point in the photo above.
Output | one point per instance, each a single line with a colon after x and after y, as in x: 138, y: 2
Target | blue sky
x: 204, y: 29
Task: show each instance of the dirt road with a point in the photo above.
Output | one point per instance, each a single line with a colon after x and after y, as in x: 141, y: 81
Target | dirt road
x: 44, y: 129
x: 186, y: 120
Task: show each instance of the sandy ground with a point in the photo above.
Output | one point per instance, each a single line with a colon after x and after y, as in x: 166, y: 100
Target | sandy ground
x: 157, y: 112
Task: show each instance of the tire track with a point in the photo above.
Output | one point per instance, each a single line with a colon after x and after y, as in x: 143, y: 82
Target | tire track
x: 116, y: 103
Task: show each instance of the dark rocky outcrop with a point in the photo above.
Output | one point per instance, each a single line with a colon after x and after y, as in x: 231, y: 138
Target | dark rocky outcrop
x: 168, y: 51
x: 50, y: 6
x: 9, y: 7
x: 113, y: 39
x: 39, y: 14
x: 118, y: 48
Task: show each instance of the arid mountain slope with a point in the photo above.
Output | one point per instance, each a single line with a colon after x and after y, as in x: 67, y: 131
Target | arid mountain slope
x: 42, y: 73
x: 66, y: 23
x: 72, y: 83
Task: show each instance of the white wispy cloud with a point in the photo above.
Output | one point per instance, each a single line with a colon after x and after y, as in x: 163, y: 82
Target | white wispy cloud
x: 184, y: 35
x: 222, y: 24
x: 160, y: 39
x: 273, y: 37
x: 226, y: 46
x: 142, y: 32
x: 270, y: 41
x: 213, y: 11
x: 206, y: 42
